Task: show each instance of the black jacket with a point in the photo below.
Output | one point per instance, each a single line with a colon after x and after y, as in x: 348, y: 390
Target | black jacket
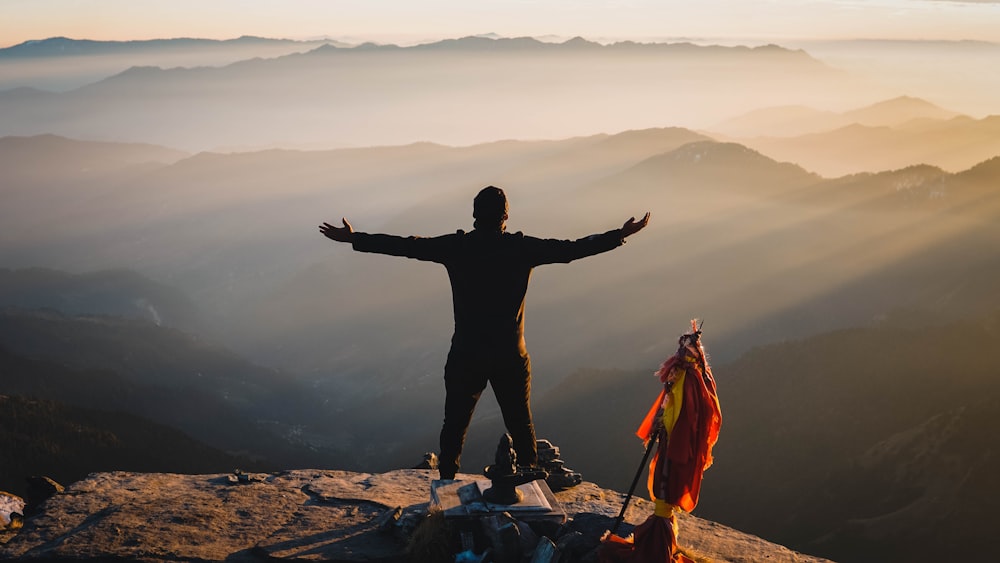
x: 489, y: 274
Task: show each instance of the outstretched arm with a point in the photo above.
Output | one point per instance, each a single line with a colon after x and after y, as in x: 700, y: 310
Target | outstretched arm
x: 632, y: 226
x: 551, y: 251
x: 339, y: 234
x: 434, y: 249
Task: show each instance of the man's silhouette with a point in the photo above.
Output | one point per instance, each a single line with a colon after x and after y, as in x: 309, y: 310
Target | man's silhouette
x: 489, y: 270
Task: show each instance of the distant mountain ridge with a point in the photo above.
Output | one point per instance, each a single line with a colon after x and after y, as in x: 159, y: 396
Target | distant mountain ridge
x: 60, y: 64
x: 893, y: 133
x: 233, y: 93
x: 65, y: 46
x: 717, y: 165
x: 477, y: 43
x: 788, y: 121
x: 955, y: 144
x: 82, y: 159
x: 897, y: 111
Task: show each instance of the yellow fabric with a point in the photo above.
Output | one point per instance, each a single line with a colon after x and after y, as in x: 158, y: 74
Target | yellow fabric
x: 672, y: 404
x: 663, y: 510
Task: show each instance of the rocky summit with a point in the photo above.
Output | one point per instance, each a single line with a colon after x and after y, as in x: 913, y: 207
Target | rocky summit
x: 307, y: 515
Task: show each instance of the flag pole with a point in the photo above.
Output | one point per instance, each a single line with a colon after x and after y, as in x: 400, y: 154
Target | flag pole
x: 635, y: 481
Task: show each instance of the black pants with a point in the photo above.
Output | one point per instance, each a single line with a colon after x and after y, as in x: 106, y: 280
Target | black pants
x: 465, y: 377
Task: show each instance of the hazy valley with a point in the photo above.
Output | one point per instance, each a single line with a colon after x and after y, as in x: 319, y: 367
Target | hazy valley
x: 843, y: 260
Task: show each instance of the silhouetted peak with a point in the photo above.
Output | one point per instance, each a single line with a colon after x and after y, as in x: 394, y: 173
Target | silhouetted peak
x: 370, y: 46
x: 715, y: 164
x: 909, y: 101
x: 47, y: 47
x: 898, y: 110
x: 140, y: 71
x: 914, y: 177
x: 578, y: 42
x: 653, y: 136
x: 775, y: 48
x: 252, y: 39
x: 986, y: 170
x: 482, y: 43
x: 704, y: 151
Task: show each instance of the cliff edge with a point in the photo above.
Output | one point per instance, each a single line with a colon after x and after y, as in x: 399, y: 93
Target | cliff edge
x: 301, y: 515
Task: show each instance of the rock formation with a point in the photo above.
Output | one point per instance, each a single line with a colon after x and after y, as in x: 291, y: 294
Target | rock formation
x: 306, y: 515
x: 560, y: 477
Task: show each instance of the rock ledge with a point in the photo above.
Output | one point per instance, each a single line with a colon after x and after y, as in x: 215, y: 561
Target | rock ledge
x: 300, y: 515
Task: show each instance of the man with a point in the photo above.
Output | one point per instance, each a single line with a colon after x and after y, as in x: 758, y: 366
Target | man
x: 489, y: 270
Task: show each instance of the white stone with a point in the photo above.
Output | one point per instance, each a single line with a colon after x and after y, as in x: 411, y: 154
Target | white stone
x: 9, y: 504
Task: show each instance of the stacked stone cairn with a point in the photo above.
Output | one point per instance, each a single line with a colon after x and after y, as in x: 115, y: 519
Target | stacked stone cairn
x: 560, y: 477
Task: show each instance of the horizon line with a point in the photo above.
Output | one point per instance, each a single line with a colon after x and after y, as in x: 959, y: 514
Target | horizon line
x: 412, y: 41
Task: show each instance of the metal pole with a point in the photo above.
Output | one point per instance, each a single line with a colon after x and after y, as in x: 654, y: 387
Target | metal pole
x: 635, y: 481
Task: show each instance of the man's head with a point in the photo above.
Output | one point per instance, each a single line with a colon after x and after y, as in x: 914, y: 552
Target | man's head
x: 490, y: 208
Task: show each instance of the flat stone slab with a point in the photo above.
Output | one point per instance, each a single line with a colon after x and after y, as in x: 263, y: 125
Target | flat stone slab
x: 465, y: 499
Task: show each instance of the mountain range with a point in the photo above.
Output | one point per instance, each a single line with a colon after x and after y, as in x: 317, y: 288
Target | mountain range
x: 66, y: 47
x: 60, y: 64
x: 213, y: 226
x: 460, y: 91
x: 892, y: 134
x: 793, y: 121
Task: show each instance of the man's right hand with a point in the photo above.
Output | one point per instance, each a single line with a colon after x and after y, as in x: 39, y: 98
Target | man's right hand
x: 339, y: 234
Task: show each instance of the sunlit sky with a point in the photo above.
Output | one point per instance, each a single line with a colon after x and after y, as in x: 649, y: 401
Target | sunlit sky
x: 416, y: 20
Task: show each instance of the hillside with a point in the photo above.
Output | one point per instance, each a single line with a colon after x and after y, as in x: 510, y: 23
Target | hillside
x: 53, y: 159
x: 164, y: 375
x: 853, y: 445
x: 66, y: 443
x: 866, y: 430
x: 109, y: 292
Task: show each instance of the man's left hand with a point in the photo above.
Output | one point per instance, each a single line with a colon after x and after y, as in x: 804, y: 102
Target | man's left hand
x: 632, y: 226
